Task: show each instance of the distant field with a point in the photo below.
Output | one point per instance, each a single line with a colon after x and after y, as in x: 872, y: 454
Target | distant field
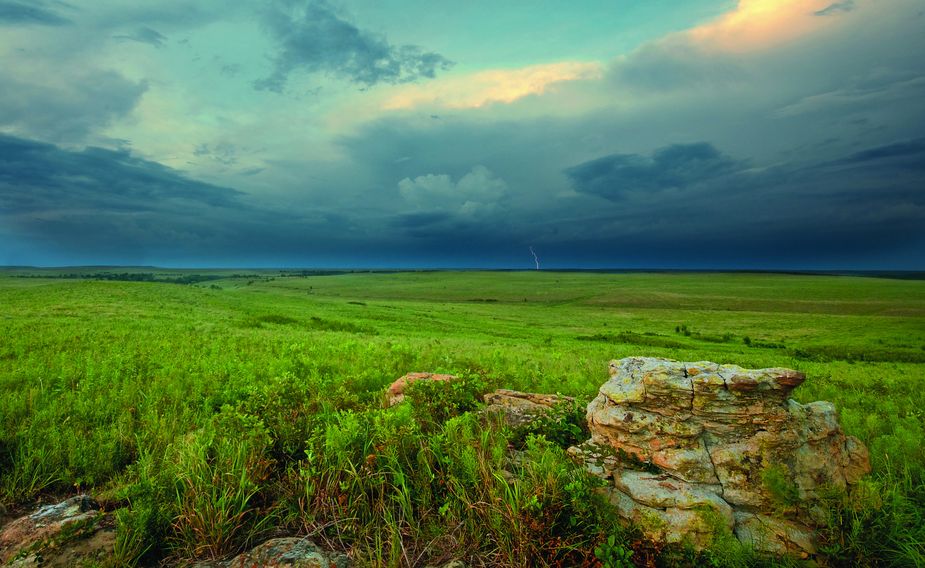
x: 99, y: 377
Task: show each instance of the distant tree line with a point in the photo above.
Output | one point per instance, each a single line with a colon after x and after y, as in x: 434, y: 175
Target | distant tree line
x: 196, y: 278
x: 136, y: 277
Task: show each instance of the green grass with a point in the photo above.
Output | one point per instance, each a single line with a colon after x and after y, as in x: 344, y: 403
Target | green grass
x: 210, y: 414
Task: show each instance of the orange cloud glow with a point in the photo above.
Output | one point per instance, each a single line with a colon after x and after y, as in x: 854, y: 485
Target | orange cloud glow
x: 493, y: 86
x: 753, y: 25
x: 760, y: 24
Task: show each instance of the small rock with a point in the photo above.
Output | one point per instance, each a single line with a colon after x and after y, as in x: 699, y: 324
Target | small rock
x: 289, y: 552
x: 64, y: 534
x: 396, y: 391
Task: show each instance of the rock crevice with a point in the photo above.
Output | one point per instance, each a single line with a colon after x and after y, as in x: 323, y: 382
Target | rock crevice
x: 691, y: 448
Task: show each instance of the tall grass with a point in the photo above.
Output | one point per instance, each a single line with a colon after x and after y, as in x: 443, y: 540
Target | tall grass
x: 399, y: 491
x: 221, y: 473
x: 209, y: 419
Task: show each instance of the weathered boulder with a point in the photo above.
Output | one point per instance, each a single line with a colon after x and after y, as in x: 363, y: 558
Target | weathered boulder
x: 396, y: 391
x: 69, y: 533
x: 692, y: 448
x: 519, y: 408
x: 289, y: 552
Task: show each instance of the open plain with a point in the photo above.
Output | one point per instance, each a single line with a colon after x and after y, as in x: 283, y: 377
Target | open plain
x: 209, y: 410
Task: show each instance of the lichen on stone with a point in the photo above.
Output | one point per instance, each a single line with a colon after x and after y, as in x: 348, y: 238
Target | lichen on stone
x: 717, y: 438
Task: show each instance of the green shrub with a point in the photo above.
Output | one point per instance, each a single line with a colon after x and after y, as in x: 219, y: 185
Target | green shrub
x: 288, y: 407
x: 434, y: 402
x: 565, y: 425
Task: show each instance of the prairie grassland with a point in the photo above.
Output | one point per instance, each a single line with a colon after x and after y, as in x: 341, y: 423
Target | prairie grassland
x: 211, y: 414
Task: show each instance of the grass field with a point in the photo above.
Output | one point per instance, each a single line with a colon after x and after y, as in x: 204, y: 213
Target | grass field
x: 212, y: 413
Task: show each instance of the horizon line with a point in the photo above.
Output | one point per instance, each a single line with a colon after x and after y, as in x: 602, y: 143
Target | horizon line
x: 782, y: 270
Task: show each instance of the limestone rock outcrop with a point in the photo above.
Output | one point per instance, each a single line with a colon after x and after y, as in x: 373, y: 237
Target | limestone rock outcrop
x: 396, y: 391
x: 519, y: 408
x: 694, y: 448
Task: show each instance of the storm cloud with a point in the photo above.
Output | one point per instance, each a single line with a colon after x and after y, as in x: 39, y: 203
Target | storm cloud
x: 67, y: 107
x: 38, y: 177
x: 866, y: 203
x: 313, y: 37
x: 98, y: 199
x: 674, y: 167
x: 728, y: 137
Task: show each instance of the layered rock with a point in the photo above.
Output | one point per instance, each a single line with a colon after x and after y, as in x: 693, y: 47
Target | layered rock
x: 693, y: 448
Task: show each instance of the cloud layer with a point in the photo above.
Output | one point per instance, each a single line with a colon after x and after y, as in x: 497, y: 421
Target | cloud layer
x: 784, y: 133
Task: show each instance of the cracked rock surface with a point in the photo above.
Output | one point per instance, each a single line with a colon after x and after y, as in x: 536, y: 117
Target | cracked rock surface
x: 696, y: 448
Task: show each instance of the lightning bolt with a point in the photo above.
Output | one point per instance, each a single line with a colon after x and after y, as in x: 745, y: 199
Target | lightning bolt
x: 536, y: 259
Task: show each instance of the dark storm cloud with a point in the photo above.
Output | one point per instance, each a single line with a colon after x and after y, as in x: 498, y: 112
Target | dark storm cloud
x: 686, y: 205
x: 313, y: 37
x: 673, y: 167
x: 98, y: 205
x: 867, y: 203
x: 36, y: 177
x: 910, y: 153
x: 836, y: 7
x: 29, y: 12
x: 144, y: 34
x: 112, y: 205
x: 69, y: 110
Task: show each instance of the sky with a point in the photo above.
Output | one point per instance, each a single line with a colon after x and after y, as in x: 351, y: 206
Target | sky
x: 749, y: 134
